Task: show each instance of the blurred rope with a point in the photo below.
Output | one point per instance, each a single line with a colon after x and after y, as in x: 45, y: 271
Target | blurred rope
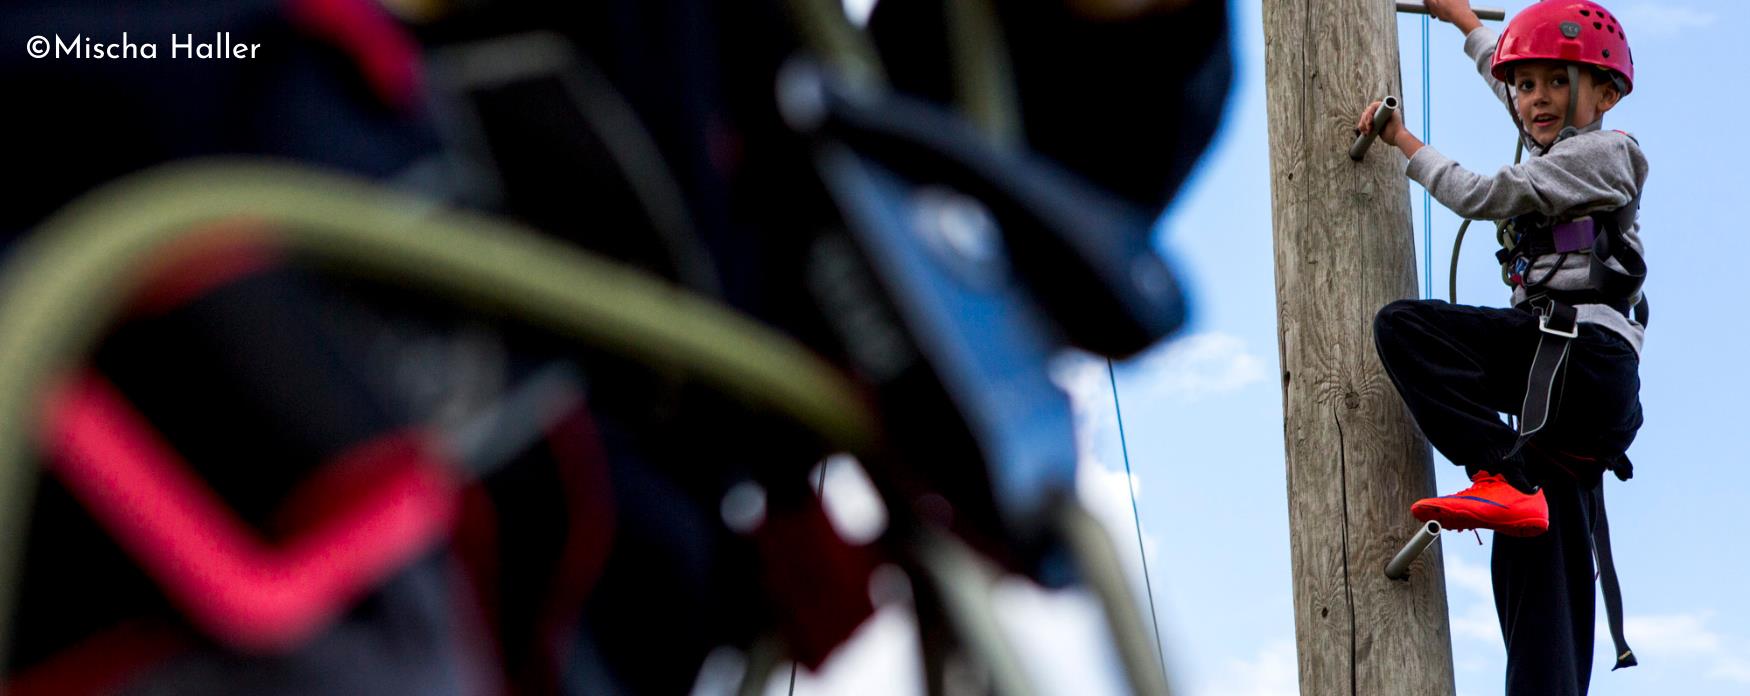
x: 64, y: 284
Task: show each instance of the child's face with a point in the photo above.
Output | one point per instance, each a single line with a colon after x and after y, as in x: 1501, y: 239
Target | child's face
x: 1540, y: 96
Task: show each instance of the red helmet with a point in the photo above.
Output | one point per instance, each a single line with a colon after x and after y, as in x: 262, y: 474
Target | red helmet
x: 1579, y: 31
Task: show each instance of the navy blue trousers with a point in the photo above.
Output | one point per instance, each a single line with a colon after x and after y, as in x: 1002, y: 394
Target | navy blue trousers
x: 1458, y: 368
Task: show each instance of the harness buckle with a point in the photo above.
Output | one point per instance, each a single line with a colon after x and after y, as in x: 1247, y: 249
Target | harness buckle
x: 1572, y: 329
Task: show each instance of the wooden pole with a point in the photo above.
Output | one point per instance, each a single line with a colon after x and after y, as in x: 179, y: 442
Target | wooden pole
x: 1345, y: 248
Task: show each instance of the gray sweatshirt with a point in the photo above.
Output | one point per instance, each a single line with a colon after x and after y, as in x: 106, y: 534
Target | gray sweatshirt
x: 1595, y: 170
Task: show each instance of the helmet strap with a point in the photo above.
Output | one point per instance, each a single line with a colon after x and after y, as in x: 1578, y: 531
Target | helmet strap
x: 1525, y: 139
x: 1569, y: 129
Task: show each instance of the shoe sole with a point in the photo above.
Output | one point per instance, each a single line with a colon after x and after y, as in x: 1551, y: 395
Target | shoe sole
x: 1461, y: 521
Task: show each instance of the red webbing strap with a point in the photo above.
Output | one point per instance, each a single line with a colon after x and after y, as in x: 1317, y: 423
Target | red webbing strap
x: 386, y: 55
x: 233, y: 585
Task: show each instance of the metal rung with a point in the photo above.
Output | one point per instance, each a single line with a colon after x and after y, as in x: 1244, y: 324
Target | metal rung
x: 1399, y: 567
x: 1482, y: 12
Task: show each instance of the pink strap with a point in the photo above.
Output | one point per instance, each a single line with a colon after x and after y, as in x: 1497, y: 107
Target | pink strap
x: 386, y: 55
x: 231, y: 583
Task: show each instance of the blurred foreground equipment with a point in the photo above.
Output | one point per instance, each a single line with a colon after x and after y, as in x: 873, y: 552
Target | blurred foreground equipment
x: 490, y: 348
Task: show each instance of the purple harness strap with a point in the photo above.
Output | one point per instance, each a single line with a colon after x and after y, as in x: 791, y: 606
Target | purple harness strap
x: 1574, y: 235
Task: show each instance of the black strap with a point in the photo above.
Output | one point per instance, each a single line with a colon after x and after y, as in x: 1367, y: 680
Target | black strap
x: 1625, y: 657
x: 1614, y: 283
x: 1575, y: 298
x: 1638, y: 310
x: 1558, y: 324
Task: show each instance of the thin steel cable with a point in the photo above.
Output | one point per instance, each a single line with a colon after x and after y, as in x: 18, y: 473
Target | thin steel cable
x: 819, y: 492
x: 1136, y: 515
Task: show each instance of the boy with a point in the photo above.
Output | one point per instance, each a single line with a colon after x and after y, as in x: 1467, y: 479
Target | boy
x: 1565, y: 359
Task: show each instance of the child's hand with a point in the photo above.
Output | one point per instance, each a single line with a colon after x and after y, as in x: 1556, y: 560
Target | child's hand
x: 1392, y: 129
x: 1456, y: 12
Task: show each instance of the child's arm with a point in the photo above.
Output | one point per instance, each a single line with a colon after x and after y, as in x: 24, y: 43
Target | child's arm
x: 1595, y: 171
x: 1479, y: 41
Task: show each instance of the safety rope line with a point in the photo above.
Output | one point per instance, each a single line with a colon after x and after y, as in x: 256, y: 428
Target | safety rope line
x: 1427, y: 198
x: 1136, y: 515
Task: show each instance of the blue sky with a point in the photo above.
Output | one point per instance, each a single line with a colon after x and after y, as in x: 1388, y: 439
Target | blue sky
x: 1203, y: 415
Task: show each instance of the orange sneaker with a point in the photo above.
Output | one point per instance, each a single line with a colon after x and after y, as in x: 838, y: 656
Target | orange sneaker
x: 1490, y: 503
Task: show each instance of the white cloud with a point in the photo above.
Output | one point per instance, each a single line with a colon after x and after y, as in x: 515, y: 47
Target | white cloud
x: 1197, y: 367
x: 850, y: 499
x: 1477, y: 652
x: 1471, y: 663
x: 1465, y: 575
x: 859, y: 10
x: 1662, y: 20
x: 1478, y: 622
x: 1672, y: 634
x: 1686, y: 638
x: 1732, y: 668
x: 1060, y: 637
x: 1101, y: 484
x: 1084, y: 378
x: 1468, y: 585
x: 1186, y: 370
x: 1105, y: 492
x: 880, y: 659
x: 1273, y: 672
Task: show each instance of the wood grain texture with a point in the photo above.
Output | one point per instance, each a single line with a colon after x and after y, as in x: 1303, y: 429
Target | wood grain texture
x: 1344, y: 247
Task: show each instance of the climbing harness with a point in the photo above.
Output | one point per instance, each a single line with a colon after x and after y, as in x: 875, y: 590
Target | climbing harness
x: 1615, y: 272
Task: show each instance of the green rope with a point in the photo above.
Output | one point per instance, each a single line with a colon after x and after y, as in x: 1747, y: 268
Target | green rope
x: 63, y: 285
x: 984, y: 83
x: 845, y: 48
x: 1458, y: 240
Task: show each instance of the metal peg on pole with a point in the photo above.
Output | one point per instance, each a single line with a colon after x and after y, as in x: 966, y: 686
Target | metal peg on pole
x: 1380, y: 118
x: 1482, y: 12
x: 1399, y: 567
